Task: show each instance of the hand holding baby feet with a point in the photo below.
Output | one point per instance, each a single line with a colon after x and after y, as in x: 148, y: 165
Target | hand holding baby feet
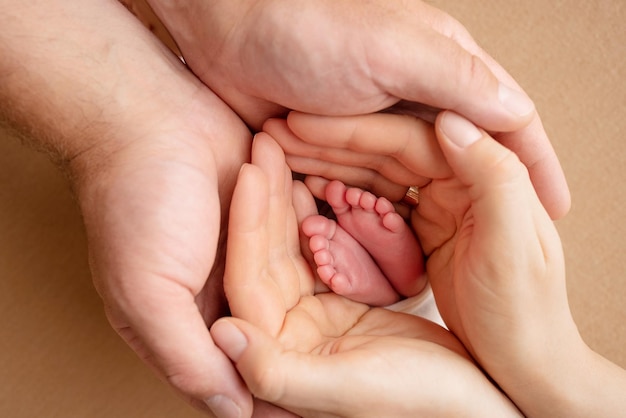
x: 321, y: 354
x: 369, y: 254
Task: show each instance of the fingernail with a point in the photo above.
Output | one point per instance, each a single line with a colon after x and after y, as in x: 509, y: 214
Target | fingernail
x: 230, y: 339
x: 459, y: 130
x: 515, y: 101
x: 223, y: 407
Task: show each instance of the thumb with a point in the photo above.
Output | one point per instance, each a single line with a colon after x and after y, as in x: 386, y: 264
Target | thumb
x: 499, y: 185
x: 448, y: 66
x: 295, y: 381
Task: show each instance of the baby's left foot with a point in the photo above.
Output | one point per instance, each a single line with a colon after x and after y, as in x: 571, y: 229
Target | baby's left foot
x: 374, y: 223
x: 344, y: 265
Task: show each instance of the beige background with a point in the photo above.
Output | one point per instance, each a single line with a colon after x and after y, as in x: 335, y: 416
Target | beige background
x: 58, y: 356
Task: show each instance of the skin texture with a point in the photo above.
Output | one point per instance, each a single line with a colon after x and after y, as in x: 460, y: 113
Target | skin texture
x: 257, y: 56
x: 323, y: 355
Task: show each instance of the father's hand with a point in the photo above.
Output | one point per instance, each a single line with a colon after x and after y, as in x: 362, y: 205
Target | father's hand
x: 351, y: 57
x: 155, y: 216
x: 153, y: 157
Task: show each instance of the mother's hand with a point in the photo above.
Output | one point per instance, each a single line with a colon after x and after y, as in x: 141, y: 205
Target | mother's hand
x: 494, y: 257
x: 321, y: 354
x: 496, y: 265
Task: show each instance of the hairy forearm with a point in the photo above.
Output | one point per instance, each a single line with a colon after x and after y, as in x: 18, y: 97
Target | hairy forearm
x: 75, y: 75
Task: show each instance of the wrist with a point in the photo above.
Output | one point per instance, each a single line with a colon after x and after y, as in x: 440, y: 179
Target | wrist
x: 569, y: 380
x: 218, y: 19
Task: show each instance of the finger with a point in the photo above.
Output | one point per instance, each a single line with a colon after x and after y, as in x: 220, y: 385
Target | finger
x: 323, y: 385
x: 533, y: 147
x: 250, y: 290
x: 295, y: 381
x: 168, y: 332
x: 317, y: 186
x: 513, y: 250
x: 286, y: 265
x: 270, y: 159
x: 264, y: 409
x: 302, y: 202
x: 530, y: 142
x: 504, y: 202
x: 331, y: 154
x: 535, y: 151
x: 304, y: 206
x: 407, y: 140
x: 362, y: 178
x: 435, y: 67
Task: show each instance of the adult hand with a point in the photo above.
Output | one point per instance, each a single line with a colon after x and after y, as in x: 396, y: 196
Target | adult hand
x: 495, y: 261
x: 350, y: 57
x: 155, y: 216
x: 322, y: 354
x: 152, y: 155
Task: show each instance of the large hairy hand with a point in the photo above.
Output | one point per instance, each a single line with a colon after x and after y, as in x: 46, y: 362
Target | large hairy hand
x: 153, y: 156
x: 321, y: 354
x: 155, y: 212
x: 353, y: 57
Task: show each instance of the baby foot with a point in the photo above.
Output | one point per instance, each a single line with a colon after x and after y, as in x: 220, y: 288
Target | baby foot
x: 374, y: 223
x: 344, y: 265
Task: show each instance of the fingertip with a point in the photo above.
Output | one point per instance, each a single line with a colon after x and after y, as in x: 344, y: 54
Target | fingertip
x: 252, y: 185
x: 271, y: 123
x: 229, y: 338
x: 244, y: 170
x: 461, y: 77
x: 293, y: 115
x: 474, y: 156
x: 317, y: 185
x: 267, y: 154
x: 552, y: 189
x: 457, y: 130
x: 562, y: 206
x: 295, y: 119
x: 516, y: 102
x: 260, y: 141
x: 224, y: 407
x: 303, y: 202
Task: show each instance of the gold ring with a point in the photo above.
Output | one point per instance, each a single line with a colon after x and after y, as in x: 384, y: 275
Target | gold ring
x: 412, y: 196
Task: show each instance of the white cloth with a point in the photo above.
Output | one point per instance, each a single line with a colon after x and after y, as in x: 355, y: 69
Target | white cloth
x: 422, y: 305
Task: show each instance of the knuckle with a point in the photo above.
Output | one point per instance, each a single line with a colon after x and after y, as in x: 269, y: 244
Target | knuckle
x: 187, y: 384
x: 507, y: 168
x: 266, y: 382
